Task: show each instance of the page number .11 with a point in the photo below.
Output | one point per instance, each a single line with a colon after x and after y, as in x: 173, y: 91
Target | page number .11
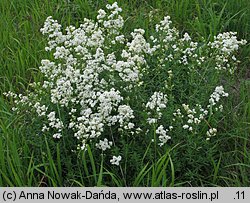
x: 240, y: 195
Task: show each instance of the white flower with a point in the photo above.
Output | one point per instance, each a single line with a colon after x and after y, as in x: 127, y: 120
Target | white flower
x: 45, y: 128
x: 151, y: 121
x: 186, y: 37
x: 54, y: 122
x: 131, y: 125
x: 225, y: 44
x: 157, y: 101
x: 116, y: 160
x: 163, y: 137
x: 217, y: 94
x: 125, y: 113
x: 211, y: 132
x: 57, y: 135
x: 40, y: 109
x: 103, y: 145
x: 101, y: 15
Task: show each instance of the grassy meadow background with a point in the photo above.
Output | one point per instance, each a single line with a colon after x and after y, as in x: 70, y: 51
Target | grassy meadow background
x: 35, y: 161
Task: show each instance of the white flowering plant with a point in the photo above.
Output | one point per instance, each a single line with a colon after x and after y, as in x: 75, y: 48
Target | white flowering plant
x: 120, y: 94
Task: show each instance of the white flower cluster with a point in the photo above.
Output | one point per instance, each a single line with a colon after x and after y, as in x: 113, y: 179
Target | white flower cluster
x: 216, y: 95
x: 91, y: 85
x: 77, y: 81
x: 167, y: 32
x: 79, y: 77
x: 183, y: 49
x: 53, y: 29
x: 226, y: 44
x: 156, y: 103
x: 163, y: 137
x: 211, y: 133
x: 193, y: 117
x: 115, y: 21
x: 104, y: 145
x: 188, y: 49
x: 55, y: 123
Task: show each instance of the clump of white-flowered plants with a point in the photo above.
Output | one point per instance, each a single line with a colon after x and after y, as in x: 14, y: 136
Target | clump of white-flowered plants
x: 103, y: 85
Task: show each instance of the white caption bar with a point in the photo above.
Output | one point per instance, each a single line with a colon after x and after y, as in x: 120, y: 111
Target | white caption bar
x: 125, y: 194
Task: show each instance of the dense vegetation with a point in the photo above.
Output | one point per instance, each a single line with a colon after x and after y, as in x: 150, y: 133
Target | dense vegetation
x: 30, y: 157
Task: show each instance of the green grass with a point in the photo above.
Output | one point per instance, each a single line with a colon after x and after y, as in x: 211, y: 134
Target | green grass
x: 36, y: 161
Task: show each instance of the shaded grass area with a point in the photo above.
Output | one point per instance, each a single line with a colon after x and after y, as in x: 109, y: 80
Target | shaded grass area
x: 37, y: 161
